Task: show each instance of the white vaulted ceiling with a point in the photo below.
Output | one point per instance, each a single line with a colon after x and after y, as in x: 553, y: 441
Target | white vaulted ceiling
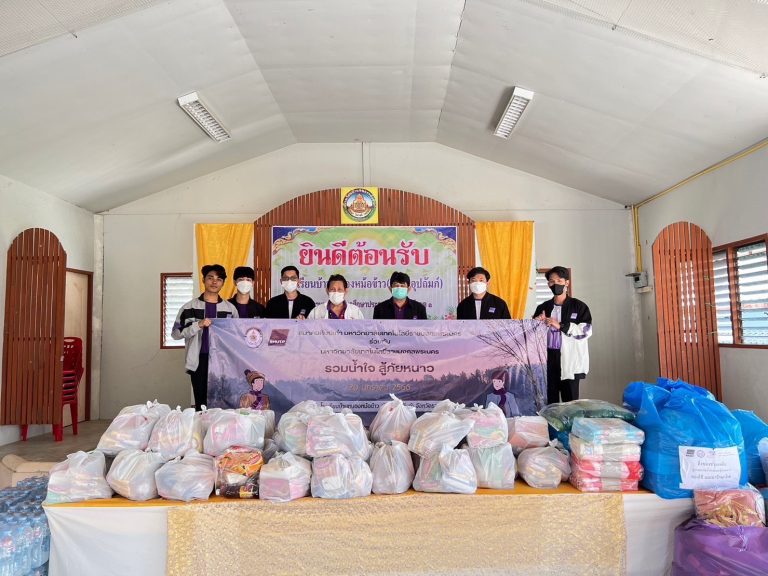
x: 631, y: 96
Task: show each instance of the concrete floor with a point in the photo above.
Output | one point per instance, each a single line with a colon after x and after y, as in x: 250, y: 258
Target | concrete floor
x: 43, y: 449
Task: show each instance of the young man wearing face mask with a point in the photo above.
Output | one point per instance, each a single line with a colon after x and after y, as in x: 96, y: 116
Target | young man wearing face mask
x: 291, y: 303
x: 337, y: 308
x: 399, y: 307
x: 481, y: 304
x: 570, y: 326
x: 192, y: 323
x: 246, y: 306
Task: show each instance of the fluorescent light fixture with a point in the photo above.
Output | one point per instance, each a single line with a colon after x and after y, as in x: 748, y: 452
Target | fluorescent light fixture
x: 194, y: 107
x: 515, y: 108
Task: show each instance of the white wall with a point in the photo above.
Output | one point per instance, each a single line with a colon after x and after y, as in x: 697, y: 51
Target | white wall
x: 22, y: 207
x: 155, y: 235
x: 729, y: 204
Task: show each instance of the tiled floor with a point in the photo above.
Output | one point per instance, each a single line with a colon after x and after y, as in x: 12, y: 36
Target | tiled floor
x: 44, y: 449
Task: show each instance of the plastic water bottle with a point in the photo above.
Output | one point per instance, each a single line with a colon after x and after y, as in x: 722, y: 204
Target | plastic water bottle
x: 7, y: 551
x: 22, y: 560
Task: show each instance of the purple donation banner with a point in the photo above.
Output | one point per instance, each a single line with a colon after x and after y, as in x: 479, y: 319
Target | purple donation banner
x: 358, y: 364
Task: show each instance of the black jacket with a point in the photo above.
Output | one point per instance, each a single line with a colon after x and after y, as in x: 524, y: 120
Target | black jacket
x: 573, y: 310
x: 277, y: 307
x: 492, y: 308
x: 255, y: 310
x: 413, y: 310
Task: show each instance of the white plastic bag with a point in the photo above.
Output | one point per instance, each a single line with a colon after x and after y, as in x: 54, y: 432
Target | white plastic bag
x: 206, y: 415
x: 188, y: 478
x: 543, y: 467
x: 284, y: 478
x: 495, y: 466
x: 132, y: 474
x: 450, y: 471
x: 80, y: 477
x: 291, y: 433
x: 131, y: 428
x: 338, y: 477
x: 231, y: 428
x: 527, y: 432
x: 490, y: 427
x: 393, y: 421
x: 434, y: 430
x: 339, y: 433
x: 176, y: 433
x: 392, y: 468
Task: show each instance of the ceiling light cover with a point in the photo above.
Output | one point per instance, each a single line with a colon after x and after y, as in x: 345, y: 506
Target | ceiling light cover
x: 192, y: 105
x: 515, y: 108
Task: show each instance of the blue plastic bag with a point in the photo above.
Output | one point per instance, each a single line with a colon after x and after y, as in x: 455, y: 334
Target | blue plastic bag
x: 674, y: 414
x: 753, y: 429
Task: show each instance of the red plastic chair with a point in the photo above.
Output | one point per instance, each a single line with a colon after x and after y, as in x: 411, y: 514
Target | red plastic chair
x: 72, y: 372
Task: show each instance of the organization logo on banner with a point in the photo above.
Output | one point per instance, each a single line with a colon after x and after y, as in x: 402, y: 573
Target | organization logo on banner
x: 278, y: 338
x: 253, y: 337
x: 359, y: 205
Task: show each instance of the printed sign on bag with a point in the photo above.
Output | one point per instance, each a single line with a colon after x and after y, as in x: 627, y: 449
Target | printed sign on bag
x: 709, y: 467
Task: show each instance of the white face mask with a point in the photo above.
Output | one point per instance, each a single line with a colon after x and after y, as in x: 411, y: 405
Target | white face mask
x: 289, y: 285
x: 336, y: 298
x: 244, y: 286
x: 478, y: 287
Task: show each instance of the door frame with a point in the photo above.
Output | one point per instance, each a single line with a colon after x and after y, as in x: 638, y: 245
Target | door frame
x: 89, y: 331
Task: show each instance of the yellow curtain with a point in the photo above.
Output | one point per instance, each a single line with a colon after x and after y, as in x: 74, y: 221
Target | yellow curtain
x: 506, y: 249
x: 225, y: 244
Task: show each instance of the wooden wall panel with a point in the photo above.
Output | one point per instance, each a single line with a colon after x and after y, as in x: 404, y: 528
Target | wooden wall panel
x: 34, y: 329
x: 685, y: 306
x: 396, y: 208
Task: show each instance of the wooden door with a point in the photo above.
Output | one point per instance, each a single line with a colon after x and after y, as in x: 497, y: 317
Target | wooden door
x: 685, y: 306
x: 34, y: 329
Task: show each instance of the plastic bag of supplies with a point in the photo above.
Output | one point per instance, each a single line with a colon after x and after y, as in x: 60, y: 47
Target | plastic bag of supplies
x: 754, y: 431
x: 189, y: 478
x: 561, y: 415
x: 132, y: 474
x: 527, y: 432
x: 237, y: 472
x: 131, y: 428
x: 543, y: 467
x: 291, y: 433
x: 231, y: 428
x: 284, y: 478
x: 338, y: 433
x: 495, y: 466
x: 338, y: 476
x: 434, y: 430
x: 607, y: 431
x: 490, y: 426
x: 392, y: 468
x: 176, y: 433
x: 80, y: 477
x: 584, y: 450
x: 393, y: 421
x: 736, y: 507
x: 448, y: 471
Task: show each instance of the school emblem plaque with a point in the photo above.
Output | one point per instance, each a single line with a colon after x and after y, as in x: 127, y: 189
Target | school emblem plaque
x: 359, y: 205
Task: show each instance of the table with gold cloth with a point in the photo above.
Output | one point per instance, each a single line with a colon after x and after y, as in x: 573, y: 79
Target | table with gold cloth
x: 522, y: 531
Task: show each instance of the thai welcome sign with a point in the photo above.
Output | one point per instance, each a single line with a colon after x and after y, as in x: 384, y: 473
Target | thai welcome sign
x: 366, y: 256
x: 358, y: 364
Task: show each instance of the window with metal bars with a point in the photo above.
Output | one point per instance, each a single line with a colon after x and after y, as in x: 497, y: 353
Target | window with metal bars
x: 176, y: 289
x: 543, y: 293
x: 741, y: 292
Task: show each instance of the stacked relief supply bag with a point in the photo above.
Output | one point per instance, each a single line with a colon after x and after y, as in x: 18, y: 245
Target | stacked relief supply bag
x: 338, y: 476
x: 132, y: 474
x: 488, y: 449
x: 291, y: 435
x: 434, y: 430
x: 80, y: 477
x: 393, y: 421
x: 176, y: 433
x: 527, y: 432
x: 754, y: 431
x: 392, y: 468
x: 132, y: 427
x: 237, y: 472
x: 448, y: 471
x: 691, y: 440
x: 543, y: 467
x: 337, y: 433
x: 230, y: 428
x: 284, y: 478
x: 189, y: 478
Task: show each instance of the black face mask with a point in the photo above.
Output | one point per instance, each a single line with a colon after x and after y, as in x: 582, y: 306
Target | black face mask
x: 557, y: 289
